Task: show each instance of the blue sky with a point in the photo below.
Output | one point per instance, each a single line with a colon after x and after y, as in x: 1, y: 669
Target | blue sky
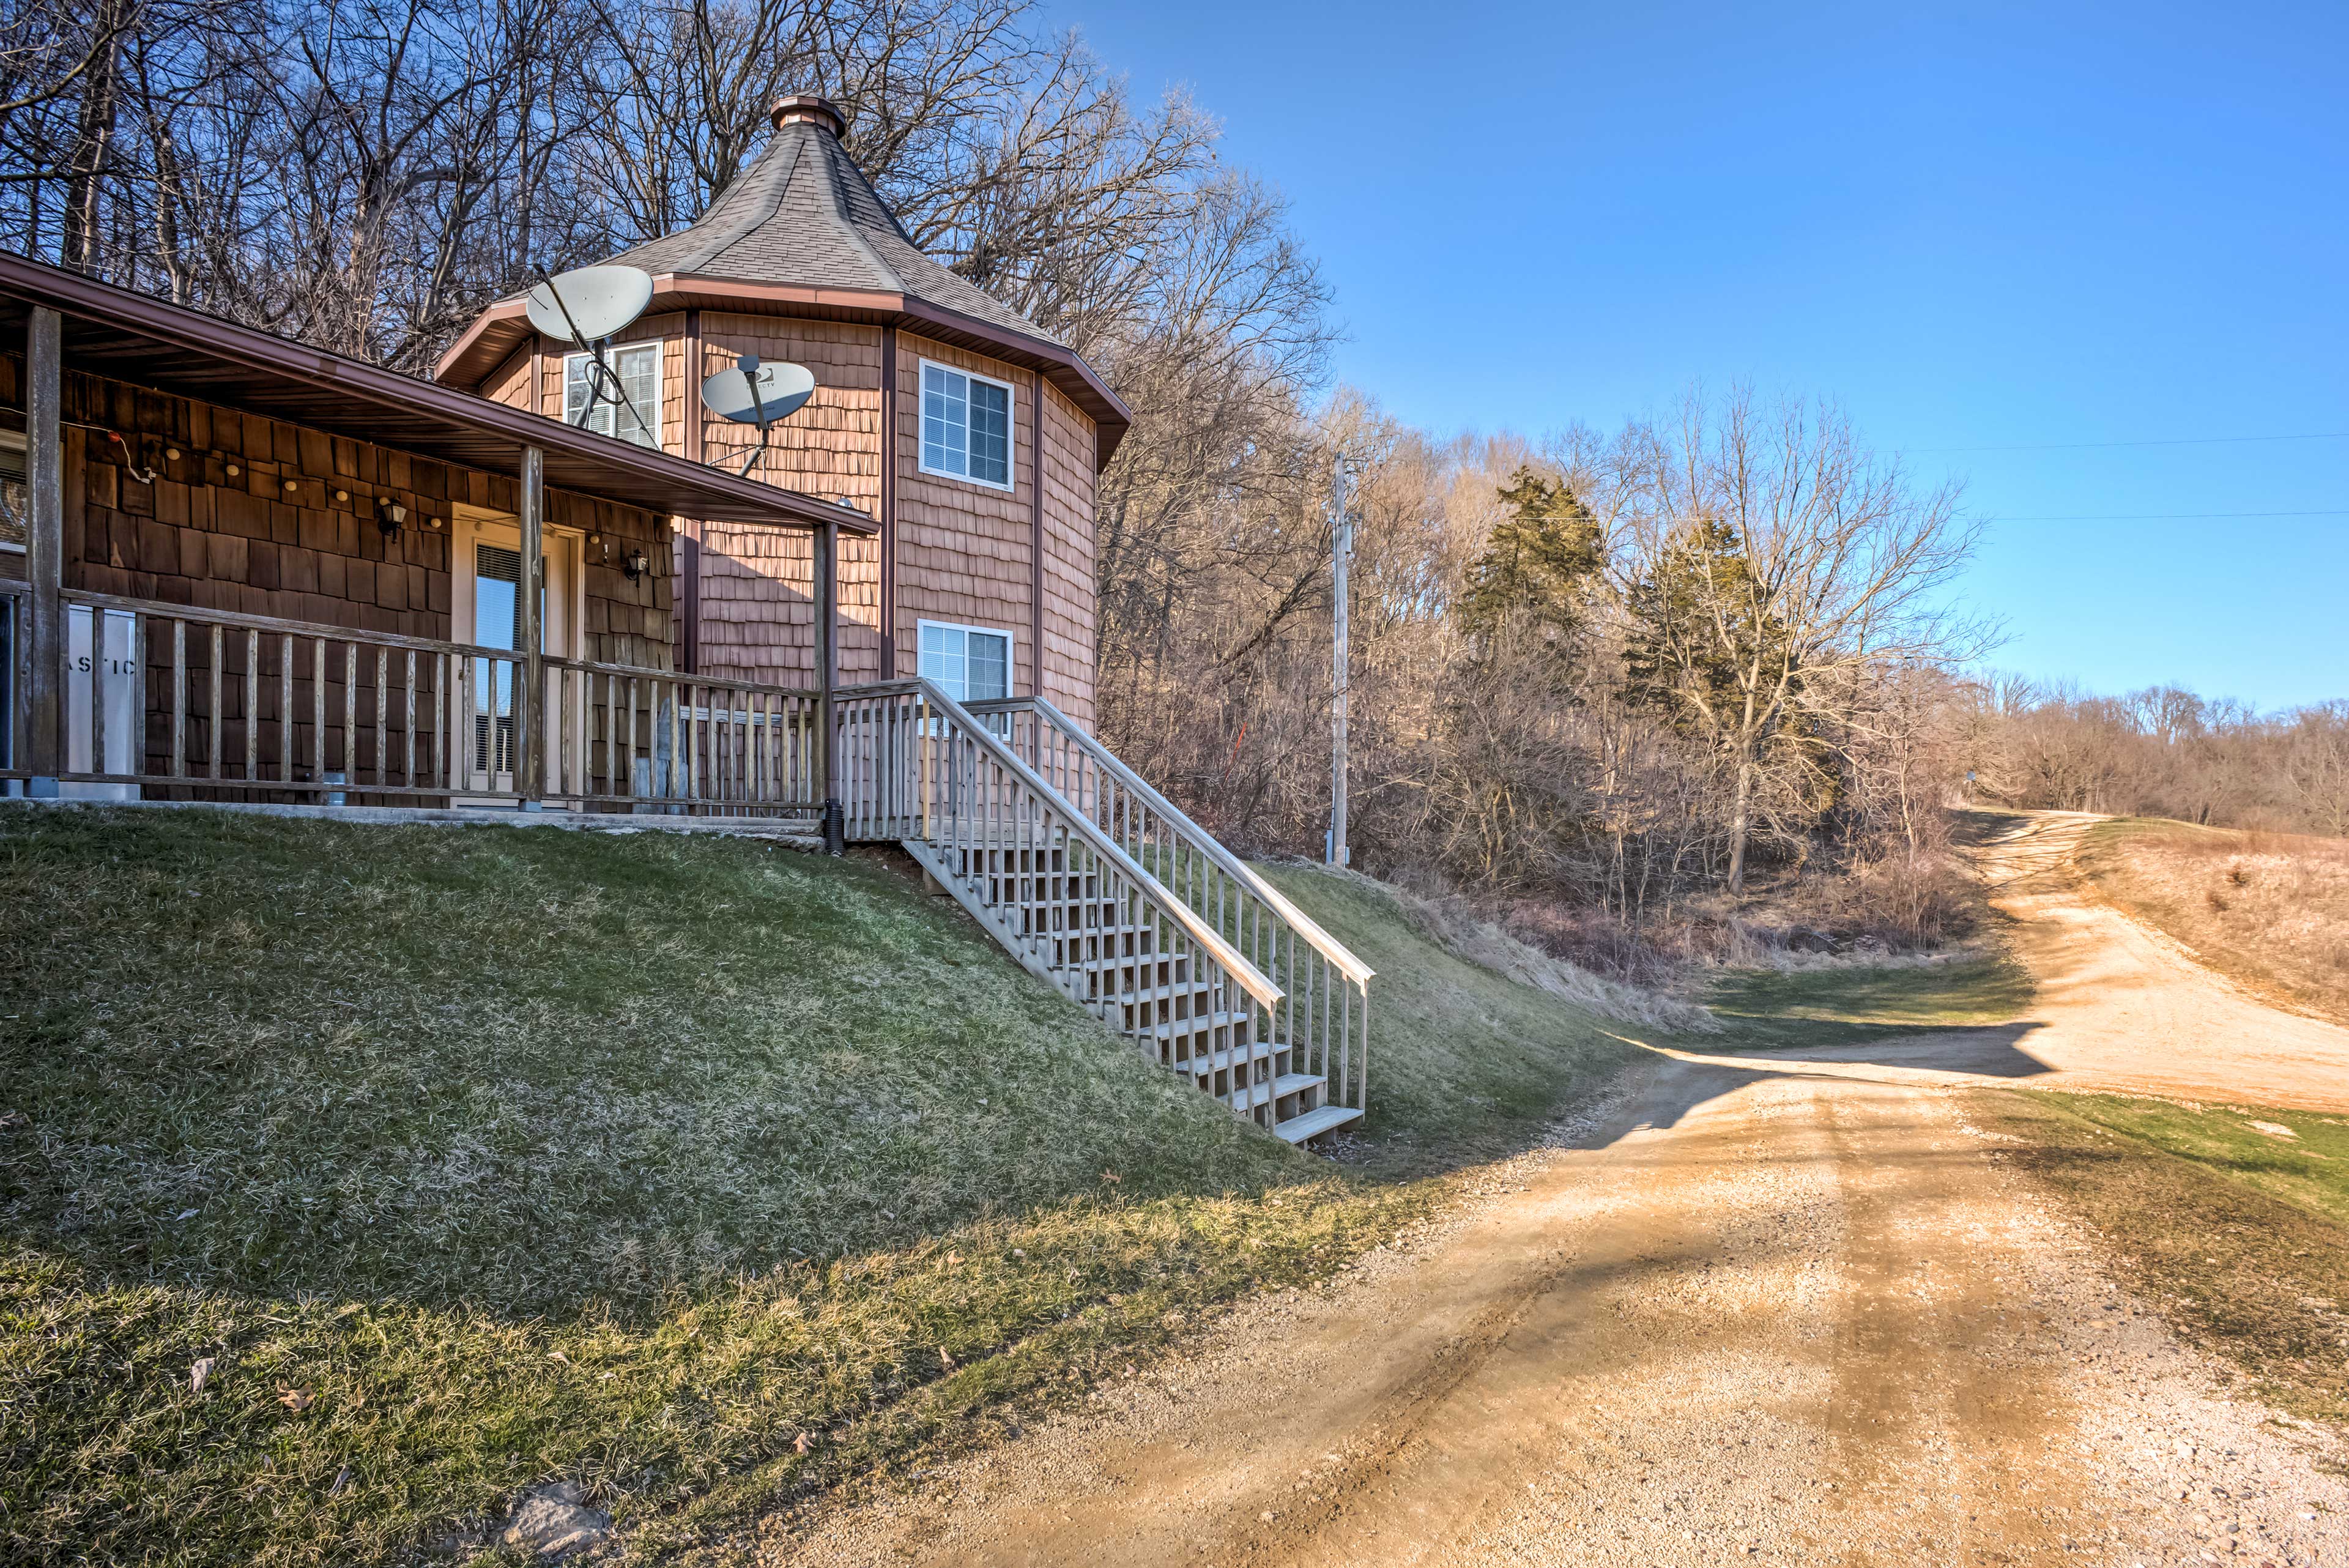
x: 1984, y: 227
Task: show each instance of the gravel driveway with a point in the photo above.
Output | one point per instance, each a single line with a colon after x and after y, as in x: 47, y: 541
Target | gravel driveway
x: 1783, y: 1309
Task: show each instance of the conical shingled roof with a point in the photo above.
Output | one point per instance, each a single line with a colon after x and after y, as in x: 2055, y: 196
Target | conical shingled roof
x: 803, y: 233
x: 803, y: 214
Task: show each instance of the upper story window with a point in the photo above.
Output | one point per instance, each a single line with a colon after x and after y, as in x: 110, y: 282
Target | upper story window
x: 638, y: 367
x: 966, y: 425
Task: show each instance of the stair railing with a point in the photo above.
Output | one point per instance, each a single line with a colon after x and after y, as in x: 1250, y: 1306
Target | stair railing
x: 1326, y: 1017
x: 919, y: 768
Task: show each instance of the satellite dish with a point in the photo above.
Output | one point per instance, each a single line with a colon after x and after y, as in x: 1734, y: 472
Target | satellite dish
x: 756, y: 393
x: 589, y: 303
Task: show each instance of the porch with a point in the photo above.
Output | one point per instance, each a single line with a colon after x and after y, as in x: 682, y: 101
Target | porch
x: 249, y: 572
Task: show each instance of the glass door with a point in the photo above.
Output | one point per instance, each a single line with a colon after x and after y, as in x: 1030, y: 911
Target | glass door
x: 497, y: 623
x: 487, y: 555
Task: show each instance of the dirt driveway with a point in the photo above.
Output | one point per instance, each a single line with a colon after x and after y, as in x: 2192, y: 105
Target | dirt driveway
x: 1782, y: 1309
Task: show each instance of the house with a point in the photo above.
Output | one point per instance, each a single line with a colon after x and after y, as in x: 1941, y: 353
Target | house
x: 239, y: 571
x: 969, y: 432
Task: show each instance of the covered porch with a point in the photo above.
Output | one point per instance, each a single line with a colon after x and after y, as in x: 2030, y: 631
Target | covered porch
x: 239, y: 569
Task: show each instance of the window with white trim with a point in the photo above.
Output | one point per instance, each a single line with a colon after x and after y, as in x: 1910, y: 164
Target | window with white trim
x: 966, y: 425
x: 638, y: 368
x: 14, y: 508
x: 969, y: 663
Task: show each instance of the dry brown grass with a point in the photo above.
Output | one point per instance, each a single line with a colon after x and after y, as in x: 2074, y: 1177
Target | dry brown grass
x: 2270, y: 910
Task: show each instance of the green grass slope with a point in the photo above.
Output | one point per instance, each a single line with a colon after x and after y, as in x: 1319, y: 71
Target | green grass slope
x: 2240, y: 1234
x: 699, y: 1170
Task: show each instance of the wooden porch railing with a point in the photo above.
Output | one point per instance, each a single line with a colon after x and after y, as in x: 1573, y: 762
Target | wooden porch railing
x: 205, y: 704
x: 1326, y: 1015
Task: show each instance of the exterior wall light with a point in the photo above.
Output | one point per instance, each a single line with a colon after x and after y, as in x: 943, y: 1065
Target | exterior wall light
x: 388, y: 516
x: 635, y: 564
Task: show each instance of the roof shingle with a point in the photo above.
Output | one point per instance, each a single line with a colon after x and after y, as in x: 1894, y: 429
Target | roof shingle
x: 805, y: 215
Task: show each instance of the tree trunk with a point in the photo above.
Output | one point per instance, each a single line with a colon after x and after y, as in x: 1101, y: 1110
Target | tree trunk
x: 1737, y: 821
x: 78, y: 245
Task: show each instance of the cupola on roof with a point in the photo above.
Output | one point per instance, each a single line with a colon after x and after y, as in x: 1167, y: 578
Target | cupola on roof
x: 801, y: 231
x: 804, y: 214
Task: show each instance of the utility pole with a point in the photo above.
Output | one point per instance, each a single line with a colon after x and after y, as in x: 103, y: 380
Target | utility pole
x: 1342, y: 531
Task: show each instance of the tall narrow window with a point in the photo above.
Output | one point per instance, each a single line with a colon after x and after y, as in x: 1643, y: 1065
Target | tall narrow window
x: 14, y: 496
x: 637, y: 368
x: 966, y: 425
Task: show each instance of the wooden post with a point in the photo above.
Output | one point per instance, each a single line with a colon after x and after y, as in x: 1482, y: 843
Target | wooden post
x: 827, y: 672
x: 1342, y: 550
x: 530, y: 710
x: 44, y: 547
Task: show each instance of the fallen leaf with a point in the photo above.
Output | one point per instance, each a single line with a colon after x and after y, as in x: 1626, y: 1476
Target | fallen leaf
x: 1111, y: 1176
x: 197, y: 1374
x: 297, y: 1400
x: 14, y: 1121
x: 342, y: 1479
x: 945, y: 1358
x: 558, y: 1355
x: 189, y: 1213
x: 799, y: 1444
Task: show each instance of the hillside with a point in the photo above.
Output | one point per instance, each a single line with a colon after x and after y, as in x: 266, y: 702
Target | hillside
x: 675, y: 1165
x: 2270, y: 910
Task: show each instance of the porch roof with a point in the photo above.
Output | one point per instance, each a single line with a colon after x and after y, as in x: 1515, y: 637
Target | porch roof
x: 146, y: 342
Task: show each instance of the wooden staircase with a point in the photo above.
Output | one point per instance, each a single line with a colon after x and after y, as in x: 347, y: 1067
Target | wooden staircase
x: 1056, y: 877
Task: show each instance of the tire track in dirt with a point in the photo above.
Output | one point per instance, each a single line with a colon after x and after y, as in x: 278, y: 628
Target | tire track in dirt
x: 1777, y: 1309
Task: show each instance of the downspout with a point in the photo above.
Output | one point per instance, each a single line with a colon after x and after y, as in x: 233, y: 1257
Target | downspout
x: 1036, y: 546
x: 889, y: 453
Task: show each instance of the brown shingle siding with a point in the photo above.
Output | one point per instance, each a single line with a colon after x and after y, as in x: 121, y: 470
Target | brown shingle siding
x: 200, y: 537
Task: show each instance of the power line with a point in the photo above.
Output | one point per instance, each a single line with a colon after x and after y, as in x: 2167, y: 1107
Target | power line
x: 2161, y: 516
x: 2182, y: 441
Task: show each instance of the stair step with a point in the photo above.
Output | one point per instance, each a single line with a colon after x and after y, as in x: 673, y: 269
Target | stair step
x: 1176, y: 1028
x: 1125, y: 932
x: 1127, y: 960
x: 1199, y: 1066
x: 1280, y: 1088
x: 1164, y: 992
x: 1313, y: 1123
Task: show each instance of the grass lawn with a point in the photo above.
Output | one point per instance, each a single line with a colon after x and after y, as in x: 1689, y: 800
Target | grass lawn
x: 2270, y: 910
x: 1773, y: 1009
x: 700, y: 1172
x: 2241, y: 1237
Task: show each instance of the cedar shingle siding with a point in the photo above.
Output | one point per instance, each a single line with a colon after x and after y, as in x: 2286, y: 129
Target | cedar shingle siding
x: 798, y: 260
x: 964, y: 551
x: 274, y: 540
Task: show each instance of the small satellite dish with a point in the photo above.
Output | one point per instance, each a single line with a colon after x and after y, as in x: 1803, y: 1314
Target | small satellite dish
x: 589, y: 303
x: 756, y: 393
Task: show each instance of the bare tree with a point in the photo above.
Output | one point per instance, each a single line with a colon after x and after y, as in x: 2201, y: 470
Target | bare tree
x: 1770, y: 564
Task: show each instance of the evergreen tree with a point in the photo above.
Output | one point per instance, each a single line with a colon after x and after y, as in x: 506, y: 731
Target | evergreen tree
x: 1533, y: 582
